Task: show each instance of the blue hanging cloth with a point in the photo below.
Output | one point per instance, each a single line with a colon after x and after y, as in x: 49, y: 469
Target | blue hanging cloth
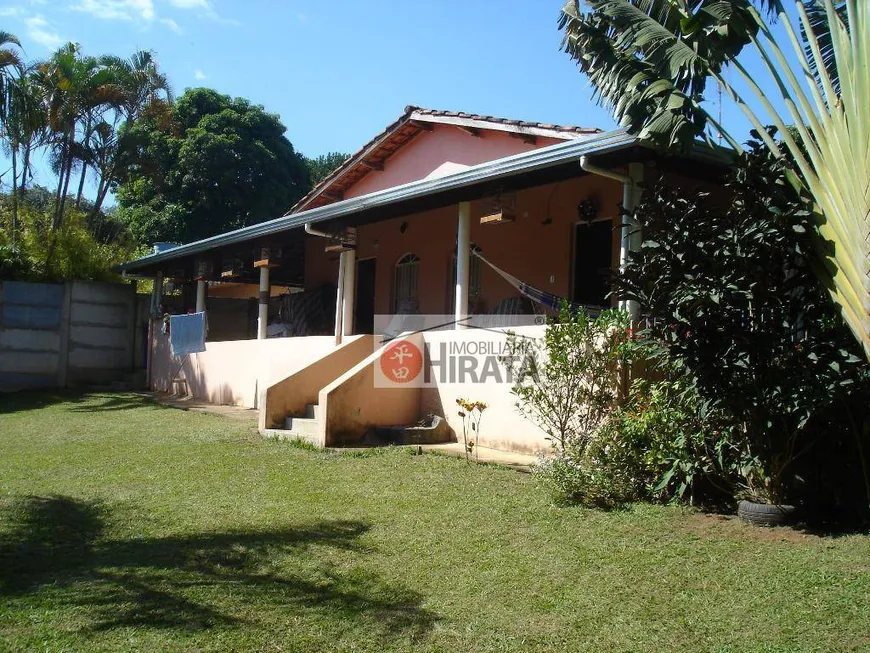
x: 187, y: 333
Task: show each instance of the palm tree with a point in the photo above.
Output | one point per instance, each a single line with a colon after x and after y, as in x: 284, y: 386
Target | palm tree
x: 73, y: 88
x: 145, y: 90
x: 650, y: 62
x: 11, y: 67
x: 25, y: 131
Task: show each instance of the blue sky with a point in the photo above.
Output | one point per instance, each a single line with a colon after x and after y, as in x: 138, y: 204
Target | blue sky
x: 337, y: 72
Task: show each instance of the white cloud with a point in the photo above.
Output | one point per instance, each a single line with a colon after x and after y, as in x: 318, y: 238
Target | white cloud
x: 199, y: 74
x: 143, y: 11
x: 190, y: 4
x: 171, y: 24
x: 8, y: 12
x: 40, y: 31
x: 117, y: 9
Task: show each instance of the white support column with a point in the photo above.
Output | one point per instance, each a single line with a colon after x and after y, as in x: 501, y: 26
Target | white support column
x: 463, y: 263
x: 157, y: 295
x: 263, y: 304
x: 339, y: 296
x: 349, y: 292
x: 201, y: 292
x: 631, y: 236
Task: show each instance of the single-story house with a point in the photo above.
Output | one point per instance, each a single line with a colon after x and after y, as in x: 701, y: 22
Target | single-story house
x: 435, y: 215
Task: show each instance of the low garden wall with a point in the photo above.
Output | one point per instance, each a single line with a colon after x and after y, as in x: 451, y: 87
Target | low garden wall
x: 231, y: 373
x: 502, y: 426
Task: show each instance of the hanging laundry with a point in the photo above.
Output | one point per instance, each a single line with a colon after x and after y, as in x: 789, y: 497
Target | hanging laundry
x: 187, y: 333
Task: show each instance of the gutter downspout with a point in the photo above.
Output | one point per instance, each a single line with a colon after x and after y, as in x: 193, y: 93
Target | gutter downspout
x: 629, y: 201
x: 316, y: 232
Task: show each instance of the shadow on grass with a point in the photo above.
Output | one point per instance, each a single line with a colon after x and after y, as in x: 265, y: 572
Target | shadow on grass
x: 81, y: 401
x: 195, y: 582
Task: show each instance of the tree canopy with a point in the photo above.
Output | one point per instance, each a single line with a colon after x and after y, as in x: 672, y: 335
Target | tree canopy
x: 319, y: 167
x: 216, y: 163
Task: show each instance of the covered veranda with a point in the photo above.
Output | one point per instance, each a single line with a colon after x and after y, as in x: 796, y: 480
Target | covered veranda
x: 521, y: 211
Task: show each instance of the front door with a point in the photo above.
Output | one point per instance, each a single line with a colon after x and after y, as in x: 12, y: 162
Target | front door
x: 365, y: 296
x: 593, y: 250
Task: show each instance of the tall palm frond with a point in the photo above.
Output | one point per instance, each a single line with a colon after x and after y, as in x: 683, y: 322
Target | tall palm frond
x: 818, y: 21
x: 11, y: 67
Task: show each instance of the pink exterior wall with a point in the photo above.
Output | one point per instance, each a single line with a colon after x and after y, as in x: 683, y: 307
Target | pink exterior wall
x: 501, y: 426
x: 230, y: 373
x: 429, y: 150
x: 527, y: 248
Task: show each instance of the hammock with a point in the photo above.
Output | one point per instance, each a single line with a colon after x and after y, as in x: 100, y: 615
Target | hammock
x: 553, y: 302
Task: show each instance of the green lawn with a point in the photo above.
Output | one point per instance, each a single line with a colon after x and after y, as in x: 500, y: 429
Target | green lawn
x: 129, y: 526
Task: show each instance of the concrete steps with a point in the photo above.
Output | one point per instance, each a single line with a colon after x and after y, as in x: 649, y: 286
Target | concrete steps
x: 305, y: 428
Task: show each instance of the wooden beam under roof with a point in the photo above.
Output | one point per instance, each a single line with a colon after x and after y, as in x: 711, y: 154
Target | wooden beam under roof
x: 332, y: 195
x: 531, y: 139
x: 372, y: 165
x: 425, y: 126
x: 474, y: 131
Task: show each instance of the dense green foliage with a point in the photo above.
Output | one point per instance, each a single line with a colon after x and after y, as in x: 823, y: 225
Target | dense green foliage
x: 218, y: 163
x: 85, y: 246
x: 650, y: 62
x: 664, y: 441
x: 127, y: 526
x: 734, y: 307
x: 319, y: 167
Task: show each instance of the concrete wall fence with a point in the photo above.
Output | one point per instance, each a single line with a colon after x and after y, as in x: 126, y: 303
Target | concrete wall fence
x: 64, y: 335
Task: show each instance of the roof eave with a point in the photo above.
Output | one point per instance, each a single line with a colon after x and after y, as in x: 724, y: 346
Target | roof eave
x: 550, y: 156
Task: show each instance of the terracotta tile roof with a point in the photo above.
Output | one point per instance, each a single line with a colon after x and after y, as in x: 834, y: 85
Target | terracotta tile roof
x: 561, y: 129
x: 373, y: 155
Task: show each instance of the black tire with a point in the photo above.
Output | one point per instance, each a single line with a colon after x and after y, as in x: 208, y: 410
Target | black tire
x: 765, y: 514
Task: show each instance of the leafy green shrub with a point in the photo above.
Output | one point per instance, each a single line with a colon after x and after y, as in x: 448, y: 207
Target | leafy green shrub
x: 13, y: 264
x: 736, y: 310
x: 663, y: 438
x: 591, y: 480
x: 568, y: 384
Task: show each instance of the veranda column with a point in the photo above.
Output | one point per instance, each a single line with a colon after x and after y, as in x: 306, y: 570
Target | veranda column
x: 463, y: 263
x: 263, y: 306
x: 201, y: 291
x: 157, y: 295
x: 339, y: 296
x: 156, y: 300
x: 631, y: 236
x: 349, y: 291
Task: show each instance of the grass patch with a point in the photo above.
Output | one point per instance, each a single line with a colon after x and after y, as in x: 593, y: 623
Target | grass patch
x: 128, y: 526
